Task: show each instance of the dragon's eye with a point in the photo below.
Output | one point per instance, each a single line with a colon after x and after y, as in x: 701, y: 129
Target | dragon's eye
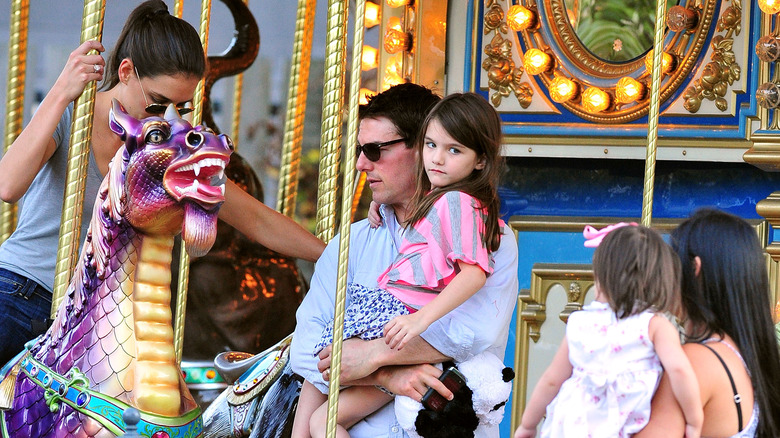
x: 155, y: 136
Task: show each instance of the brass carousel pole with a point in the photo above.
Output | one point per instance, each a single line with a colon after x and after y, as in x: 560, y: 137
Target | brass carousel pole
x: 296, y: 108
x: 238, y: 85
x: 184, y: 259
x: 652, y: 117
x: 78, y: 162
x: 332, y: 118
x: 14, y: 104
x: 346, y: 216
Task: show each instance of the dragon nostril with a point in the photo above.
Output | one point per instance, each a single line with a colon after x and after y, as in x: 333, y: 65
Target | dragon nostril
x: 194, y: 139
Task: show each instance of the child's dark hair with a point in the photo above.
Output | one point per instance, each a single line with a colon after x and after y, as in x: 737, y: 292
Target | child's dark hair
x: 728, y: 294
x: 472, y: 121
x: 636, y: 270
x: 158, y: 44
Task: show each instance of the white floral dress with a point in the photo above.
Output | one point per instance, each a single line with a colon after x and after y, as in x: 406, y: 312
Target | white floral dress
x: 615, y: 372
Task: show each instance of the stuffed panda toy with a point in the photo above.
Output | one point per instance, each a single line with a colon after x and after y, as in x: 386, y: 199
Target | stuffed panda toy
x: 480, y: 403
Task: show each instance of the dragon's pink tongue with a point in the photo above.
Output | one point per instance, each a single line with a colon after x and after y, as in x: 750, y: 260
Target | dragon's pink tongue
x: 199, y: 229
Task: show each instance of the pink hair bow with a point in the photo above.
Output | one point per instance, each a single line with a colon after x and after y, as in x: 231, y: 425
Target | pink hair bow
x: 594, y: 237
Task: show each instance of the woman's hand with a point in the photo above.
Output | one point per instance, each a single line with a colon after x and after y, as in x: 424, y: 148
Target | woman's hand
x: 82, y: 68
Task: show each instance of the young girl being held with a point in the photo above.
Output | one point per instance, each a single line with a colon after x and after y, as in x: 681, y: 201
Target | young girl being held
x: 444, y: 258
x: 603, y: 377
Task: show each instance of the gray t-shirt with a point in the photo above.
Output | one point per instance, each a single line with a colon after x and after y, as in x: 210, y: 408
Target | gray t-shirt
x: 31, y: 250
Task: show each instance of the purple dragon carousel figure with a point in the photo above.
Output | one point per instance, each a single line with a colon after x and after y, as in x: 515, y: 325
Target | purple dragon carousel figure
x: 110, y: 347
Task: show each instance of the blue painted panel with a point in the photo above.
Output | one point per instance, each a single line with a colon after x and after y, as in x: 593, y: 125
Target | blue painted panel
x: 613, y: 188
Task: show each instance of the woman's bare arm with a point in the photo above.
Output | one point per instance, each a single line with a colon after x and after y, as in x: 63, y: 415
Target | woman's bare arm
x: 267, y: 226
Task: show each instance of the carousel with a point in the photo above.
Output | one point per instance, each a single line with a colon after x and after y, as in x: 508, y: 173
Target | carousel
x: 635, y: 111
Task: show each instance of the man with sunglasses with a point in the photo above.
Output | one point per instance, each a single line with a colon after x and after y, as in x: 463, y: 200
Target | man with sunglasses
x: 389, y: 130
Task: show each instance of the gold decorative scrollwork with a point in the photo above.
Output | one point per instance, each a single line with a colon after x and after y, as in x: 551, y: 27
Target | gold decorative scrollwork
x: 503, y: 75
x: 722, y: 70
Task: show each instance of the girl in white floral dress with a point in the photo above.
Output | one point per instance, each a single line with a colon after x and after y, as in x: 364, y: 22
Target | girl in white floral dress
x: 606, y: 370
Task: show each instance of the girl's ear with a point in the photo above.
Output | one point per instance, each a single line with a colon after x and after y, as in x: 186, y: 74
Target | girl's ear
x: 481, y: 163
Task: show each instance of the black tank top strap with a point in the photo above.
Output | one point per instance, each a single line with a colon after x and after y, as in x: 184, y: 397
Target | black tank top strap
x: 737, y: 397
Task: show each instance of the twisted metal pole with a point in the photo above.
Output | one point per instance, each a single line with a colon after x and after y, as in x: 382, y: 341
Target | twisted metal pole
x: 332, y: 118
x: 184, y: 258
x: 652, y: 117
x: 346, y: 216
x: 14, y: 104
x: 296, y: 108
x: 78, y: 163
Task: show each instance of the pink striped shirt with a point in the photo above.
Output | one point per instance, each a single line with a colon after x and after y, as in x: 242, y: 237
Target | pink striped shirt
x: 428, y: 255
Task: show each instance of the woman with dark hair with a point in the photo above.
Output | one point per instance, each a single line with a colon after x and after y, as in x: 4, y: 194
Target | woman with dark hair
x: 728, y: 329
x: 158, y: 60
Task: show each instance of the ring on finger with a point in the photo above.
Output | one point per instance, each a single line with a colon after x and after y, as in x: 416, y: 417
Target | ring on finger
x: 326, y: 373
x: 96, y: 68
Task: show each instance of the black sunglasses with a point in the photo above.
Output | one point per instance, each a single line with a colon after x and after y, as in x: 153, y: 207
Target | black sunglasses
x: 159, y: 108
x: 373, y: 150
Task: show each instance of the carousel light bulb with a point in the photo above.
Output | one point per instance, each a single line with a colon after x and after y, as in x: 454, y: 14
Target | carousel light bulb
x: 563, y: 89
x: 536, y: 61
x: 397, y: 3
x: 372, y: 15
x: 629, y: 90
x: 667, y: 62
x: 768, y: 95
x: 595, y: 100
x: 769, y: 6
x: 396, y: 41
x: 370, y: 58
x: 365, y: 93
x: 520, y: 18
x: 768, y: 48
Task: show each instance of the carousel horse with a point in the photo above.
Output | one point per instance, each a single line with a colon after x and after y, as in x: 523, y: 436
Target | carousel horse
x: 110, y: 347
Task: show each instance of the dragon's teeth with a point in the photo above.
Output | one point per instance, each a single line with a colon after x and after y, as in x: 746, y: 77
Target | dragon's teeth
x: 222, y: 189
x: 222, y: 173
x: 196, y: 168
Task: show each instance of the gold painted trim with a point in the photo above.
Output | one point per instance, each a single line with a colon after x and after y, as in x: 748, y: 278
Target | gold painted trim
x: 532, y: 314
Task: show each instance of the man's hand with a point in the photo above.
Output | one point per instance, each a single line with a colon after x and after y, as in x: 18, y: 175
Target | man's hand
x: 357, y: 359
x: 412, y: 381
x: 401, y: 329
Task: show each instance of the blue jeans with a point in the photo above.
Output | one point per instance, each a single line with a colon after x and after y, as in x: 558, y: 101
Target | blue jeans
x: 21, y: 301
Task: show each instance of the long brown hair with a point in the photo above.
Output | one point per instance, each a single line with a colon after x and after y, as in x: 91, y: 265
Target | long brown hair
x: 472, y: 121
x: 158, y: 44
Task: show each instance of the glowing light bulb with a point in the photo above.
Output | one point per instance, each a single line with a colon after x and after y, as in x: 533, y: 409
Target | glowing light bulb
x: 629, y: 90
x: 563, y: 89
x: 520, y: 18
x: 667, y: 62
x: 536, y: 61
x: 372, y: 17
x: 769, y: 6
x: 595, y: 100
x: 370, y: 58
x: 394, y: 23
x: 396, y: 41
